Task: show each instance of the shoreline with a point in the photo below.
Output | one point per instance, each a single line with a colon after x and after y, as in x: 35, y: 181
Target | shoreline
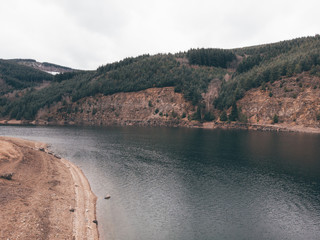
x: 282, y: 127
x: 261, y: 127
x: 85, y: 208
x: 48, y: 197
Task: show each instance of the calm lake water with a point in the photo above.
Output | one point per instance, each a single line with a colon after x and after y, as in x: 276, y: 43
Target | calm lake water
x: 176, y: 183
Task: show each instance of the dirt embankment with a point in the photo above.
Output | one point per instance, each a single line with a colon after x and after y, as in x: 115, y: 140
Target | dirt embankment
x: 295, y: 101
x: 46, y: 198
x: 150, y: 107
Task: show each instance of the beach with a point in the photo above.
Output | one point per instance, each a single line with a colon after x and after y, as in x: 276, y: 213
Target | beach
x: 43, y: 196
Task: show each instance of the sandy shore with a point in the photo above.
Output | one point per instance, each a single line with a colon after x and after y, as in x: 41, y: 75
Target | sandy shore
x: 47, y: 197
x: 260, y: 127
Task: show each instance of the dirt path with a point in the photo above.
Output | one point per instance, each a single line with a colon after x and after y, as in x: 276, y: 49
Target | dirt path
x: 47, y: 197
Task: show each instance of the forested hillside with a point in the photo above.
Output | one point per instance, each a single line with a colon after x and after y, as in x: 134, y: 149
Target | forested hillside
x: 268, y: 63
x: 14, y: 76
x: 43, y: 66
x: 129, y: 75
x: 234, y: 72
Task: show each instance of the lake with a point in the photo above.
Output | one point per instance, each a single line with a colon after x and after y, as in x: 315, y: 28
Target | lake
x: 179, y: 183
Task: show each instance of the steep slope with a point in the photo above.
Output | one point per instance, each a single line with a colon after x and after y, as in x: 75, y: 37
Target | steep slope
x: 152, y: 107
x: 293, y: 101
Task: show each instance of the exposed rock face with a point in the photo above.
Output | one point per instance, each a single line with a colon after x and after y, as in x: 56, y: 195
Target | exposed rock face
x: 295, y: 100
x: 151, y: 107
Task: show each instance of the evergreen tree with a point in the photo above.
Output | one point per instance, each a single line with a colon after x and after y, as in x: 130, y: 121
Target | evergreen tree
x: 223, y: 116
x: 234, y: 112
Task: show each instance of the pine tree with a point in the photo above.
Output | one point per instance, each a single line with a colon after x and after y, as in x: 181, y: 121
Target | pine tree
x: 234, y: 112
x: 223, y: 116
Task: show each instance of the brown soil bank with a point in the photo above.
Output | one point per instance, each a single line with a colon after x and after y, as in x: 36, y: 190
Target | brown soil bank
x: 46, y: 197
x: 295, y: 101
x: 150, y: 107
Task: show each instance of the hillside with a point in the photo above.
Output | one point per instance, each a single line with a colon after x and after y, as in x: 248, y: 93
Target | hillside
x: 43, y: 66
x: 252, y: 85
x: 292, y: 101
x: 16, y: 77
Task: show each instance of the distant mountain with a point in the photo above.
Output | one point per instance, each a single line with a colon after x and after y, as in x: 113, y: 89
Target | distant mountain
x: 44, y: 66
x: 14, y: 76
x: 187, y: 88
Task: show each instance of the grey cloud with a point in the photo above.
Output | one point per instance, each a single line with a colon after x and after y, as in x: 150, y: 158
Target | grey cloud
x: 85, y: 34
x: 104, y: 17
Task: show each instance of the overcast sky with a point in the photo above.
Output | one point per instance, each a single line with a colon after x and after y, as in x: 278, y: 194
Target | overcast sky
x: 85, y: 34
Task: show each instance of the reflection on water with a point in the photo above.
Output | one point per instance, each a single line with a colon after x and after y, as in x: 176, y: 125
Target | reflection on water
x: 172, y: 183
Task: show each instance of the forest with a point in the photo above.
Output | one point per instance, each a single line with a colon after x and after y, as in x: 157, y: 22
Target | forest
x: 268, y: 63
x: 19, y: 77
x: 129, y: 75
x: 188, y: 72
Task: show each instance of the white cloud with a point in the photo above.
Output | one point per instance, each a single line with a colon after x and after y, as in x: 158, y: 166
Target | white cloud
x: 86, y: 34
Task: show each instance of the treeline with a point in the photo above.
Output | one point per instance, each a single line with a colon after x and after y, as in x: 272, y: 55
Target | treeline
x: 46, y: 64
x: 253, y: 56
x: 67, y: 75
x: 210, y: 57
x: 19, y: 76
x: 119, y: 64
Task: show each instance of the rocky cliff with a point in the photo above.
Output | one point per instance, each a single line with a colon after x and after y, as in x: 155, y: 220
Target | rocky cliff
x: 294, y: 102
x: 290, y: 102
x: 151, y: 107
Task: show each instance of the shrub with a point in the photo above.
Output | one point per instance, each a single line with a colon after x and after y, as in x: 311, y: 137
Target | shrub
x: 275, y: 118
x: 234, y: 112
x: 223, y: 116
x: 174, y: 114
x: 208, y: 117
x: 243, y: 118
